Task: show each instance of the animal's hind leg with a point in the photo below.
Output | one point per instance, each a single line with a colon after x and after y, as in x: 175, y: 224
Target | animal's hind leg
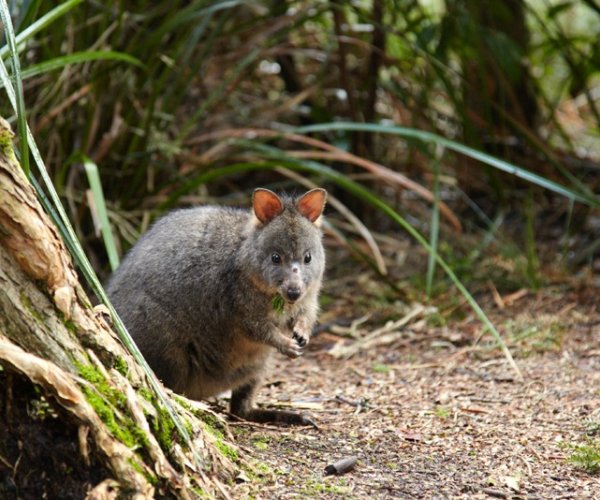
x: 242, y: 405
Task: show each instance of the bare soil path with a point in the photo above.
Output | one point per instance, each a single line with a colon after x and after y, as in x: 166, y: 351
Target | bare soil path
x: 435, y: 411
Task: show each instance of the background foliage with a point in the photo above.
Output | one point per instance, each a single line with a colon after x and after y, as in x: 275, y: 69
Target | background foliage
x: 192, y: 101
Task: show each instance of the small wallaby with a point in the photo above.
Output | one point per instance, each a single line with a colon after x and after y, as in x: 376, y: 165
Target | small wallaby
x: 209, y: 292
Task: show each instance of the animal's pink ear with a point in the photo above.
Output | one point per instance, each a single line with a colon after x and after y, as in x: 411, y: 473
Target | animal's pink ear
x: 266, y: 204
x: 311, y: 204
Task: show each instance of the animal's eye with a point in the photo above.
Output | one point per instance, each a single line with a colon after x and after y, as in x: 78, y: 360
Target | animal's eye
x: 307, y: 257
x: 275, y: 258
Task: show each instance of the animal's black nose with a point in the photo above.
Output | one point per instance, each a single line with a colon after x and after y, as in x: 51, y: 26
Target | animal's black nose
x: 293, y: 293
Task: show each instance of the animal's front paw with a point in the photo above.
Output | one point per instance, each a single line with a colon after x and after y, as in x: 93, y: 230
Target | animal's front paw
x: 301, y: 338
x: 291, y: 348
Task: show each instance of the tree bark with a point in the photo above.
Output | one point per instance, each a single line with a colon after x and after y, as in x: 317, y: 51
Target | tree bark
x: 51, y: 335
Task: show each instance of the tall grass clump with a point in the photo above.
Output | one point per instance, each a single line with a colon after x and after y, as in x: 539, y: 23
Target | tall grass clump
x: 450, y: 114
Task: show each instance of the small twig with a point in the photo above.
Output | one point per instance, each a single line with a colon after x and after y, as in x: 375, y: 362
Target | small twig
x: 515, y: 296
x: 497, y: 297
x: 84, y: 449
x: 489, y: 400
x: 494, y: 493
x: 359, y: 404
x: 6, y: 462
x: 240, y: 422
x: 384, y: 335
x: 9, y: 398
x: 14, y: 469
x: 352, y: 330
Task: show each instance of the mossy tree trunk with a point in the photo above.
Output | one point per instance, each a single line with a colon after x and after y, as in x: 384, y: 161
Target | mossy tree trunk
x: 51, y: 336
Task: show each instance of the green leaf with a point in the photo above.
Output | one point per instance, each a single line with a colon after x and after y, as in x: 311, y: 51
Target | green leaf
x: 429, y: 137
x: 91, y: 169
x: 555, y: 10
x: 42, y: 23
x: 435, y: 223
x: 18, y: 84
x: 78, y: 58
x: 278, y: 303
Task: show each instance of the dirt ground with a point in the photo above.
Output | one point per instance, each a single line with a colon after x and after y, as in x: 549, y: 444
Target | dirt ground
x: 435, y: 411
x: 428, y: 405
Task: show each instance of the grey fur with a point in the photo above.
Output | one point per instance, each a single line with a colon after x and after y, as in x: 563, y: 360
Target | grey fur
x: 196, y: 293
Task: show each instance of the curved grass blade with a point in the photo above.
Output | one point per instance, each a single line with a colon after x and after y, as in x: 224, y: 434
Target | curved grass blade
x: 26, y: 13
x: 365, y: 195
x: 430, y: 137
x: 18, y: 84
x: 196, y: 10
x: 78, y: 58
x: 40, y: 24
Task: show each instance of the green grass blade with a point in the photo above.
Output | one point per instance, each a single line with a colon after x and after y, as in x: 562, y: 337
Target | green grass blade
x: 91, y: 170
x: 18, y: 84
x: 26, y: 13
x: 194, y: 13
x: 435, y: 223
x: 78, y: 58
x: 429, y: 137
x: 40, y: 24
x: 533, y: 263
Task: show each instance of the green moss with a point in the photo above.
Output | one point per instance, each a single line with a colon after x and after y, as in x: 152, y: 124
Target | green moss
x: 257, y: 471
x: 105, y: 399
x: 199, y: 492
x: 26, y: 302
x: 6, y: 145
x: 212, y: 425
x: 586, y: 456
x: 441, y: 412
x: 227, y: 451
x: 106, y: 414
x: 151, y: 478
x: 262, y: 469
x: 380, y: 368
x: 184, y: 403
x: 316, y: 488
x: 260, y: 442
x: 146, y: 394
x: 70, y: 326
x: 120, y: 365
x: 164, y: 428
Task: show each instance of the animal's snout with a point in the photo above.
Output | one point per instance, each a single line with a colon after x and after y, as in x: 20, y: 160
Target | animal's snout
x: 293, y: 293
